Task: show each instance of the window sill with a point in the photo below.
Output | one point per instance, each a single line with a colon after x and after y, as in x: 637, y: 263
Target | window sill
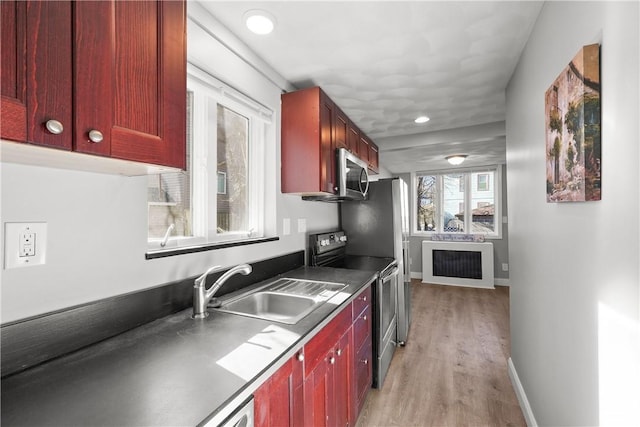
x: 206, y: 247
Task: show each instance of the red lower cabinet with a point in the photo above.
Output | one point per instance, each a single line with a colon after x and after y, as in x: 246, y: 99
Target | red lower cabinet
x: 279, y: 402
x: 326, y: 383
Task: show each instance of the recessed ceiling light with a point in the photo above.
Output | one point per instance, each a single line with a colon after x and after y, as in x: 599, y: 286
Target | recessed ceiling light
x: 456, y: 159
x: 421, y: 119
x: 259, y: 21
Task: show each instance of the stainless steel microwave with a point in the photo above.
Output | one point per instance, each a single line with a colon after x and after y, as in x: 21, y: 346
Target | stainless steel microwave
x: 352, y: 179
x: 352, y: 176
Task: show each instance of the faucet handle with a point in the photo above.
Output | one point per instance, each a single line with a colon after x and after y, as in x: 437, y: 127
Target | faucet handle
x: 200, y: 280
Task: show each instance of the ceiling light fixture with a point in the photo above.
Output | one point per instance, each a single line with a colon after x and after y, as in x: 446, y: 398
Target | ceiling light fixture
x: 456, y: 159
x: 259, y: 21
x: 422, y: 119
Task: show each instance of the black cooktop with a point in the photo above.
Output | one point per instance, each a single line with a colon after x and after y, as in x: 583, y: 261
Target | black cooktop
x: 366, y: 263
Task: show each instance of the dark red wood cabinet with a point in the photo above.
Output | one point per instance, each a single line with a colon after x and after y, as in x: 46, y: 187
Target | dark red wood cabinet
x: 324, y: 384
x: 98, y: 77
x: 313, y: 127
x: 279, y: 402
x: 307, y: 150
x: 373, y: 157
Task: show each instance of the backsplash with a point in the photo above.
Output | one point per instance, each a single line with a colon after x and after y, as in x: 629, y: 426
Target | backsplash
x: 32, y: 341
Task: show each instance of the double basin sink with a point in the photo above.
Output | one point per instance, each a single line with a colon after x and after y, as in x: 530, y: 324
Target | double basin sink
x: 284, y: 300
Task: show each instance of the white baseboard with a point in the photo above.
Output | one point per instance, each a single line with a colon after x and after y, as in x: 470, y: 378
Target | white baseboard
x: 416, y: 274
x: 521, y: 395
x: 502, y: 282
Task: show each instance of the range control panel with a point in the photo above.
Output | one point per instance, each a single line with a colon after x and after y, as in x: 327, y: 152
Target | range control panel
x: 326, y: 242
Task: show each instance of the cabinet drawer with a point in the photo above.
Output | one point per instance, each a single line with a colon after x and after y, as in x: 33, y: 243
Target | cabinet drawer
x: 316, y: 349
x: 363, y: 373
x: 362, y: 327
x: 361, y: 302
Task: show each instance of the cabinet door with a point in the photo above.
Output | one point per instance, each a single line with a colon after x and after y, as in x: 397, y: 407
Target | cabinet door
x: 343, y: 379
x: 13, y: 71
x: 327, y: 152
x: 363, y: 375
x: 138, y: 99
x: 279, y: 401
x: 363, y: 148
x: 48, y: 77
x: 353, y: 137
x: 341, y: 125
x: 318, y: 394
x: 373, y: 157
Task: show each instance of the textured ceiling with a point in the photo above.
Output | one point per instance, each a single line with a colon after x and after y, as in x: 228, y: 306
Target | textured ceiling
x: 387, y: 62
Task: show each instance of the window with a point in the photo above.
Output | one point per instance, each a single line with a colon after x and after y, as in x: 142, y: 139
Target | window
x: 442, y: 203
x: 482, y: 182
x: 221, y: 195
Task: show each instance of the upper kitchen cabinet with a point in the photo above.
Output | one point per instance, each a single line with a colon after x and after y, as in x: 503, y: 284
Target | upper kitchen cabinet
x: 313, y: 127
x: 100, y: 77
x: 372, y: 154
x: 307, y: 146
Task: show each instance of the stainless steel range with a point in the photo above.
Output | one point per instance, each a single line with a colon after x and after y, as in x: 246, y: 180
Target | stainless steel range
x: 328, y: 250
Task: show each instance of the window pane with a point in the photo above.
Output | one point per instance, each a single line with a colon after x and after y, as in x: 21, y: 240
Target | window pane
x: 233, y: 142
x: 483, y: 203
x: 453, y: 203
x: 169, y: 194
x: 426, y: 193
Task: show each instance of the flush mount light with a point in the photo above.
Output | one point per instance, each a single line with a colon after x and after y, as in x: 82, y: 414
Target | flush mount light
x: 421, y: 119
x: 259, y: 21
x: 456, y: 159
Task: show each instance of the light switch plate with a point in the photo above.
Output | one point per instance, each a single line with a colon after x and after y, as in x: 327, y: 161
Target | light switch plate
x: 25, y: 244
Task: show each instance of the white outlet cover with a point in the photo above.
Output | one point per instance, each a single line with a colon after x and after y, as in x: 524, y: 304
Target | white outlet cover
x: 12, y: 232
x: 286, y: 226
x: 302, y: 225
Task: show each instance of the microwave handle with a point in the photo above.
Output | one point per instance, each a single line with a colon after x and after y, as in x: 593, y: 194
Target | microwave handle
x: 366, y: 180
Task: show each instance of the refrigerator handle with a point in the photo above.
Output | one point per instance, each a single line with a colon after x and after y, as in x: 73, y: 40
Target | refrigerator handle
x: 405, y: 260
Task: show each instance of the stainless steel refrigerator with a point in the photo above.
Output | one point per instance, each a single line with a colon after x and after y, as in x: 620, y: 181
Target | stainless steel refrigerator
x: 379, y: 226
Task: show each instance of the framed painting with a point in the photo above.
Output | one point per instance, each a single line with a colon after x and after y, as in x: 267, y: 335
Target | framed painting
x: 572, y: 130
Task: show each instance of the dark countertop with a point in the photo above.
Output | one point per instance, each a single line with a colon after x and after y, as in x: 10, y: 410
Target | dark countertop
x: 175, y: 371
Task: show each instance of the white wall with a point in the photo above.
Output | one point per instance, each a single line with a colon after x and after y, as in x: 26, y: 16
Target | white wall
x: 575, y: 283
x: 97, y: 224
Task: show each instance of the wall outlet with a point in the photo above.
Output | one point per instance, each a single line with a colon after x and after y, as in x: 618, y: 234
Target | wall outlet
x: 505, y: 266
x: 302, y: 225
x: 25, y: 244
x: 286, y: 226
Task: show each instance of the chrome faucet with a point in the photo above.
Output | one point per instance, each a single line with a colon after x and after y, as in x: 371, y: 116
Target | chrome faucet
x: 202, y: 295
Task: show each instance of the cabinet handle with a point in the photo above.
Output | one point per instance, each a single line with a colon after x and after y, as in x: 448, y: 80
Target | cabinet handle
x: 364, y: 298
x: 339, y: 352
x: 365, y: 361
x: 300, y: 357
x: 364, y: 317
x: 54, y: 126
x: 332, y: 360
x: 95, y: 136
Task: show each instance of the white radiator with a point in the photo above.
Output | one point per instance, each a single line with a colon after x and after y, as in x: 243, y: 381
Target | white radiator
x: 458, y: 263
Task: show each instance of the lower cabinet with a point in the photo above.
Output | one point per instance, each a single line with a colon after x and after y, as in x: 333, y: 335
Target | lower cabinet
x: 280, y: 400
x: 325, y: 383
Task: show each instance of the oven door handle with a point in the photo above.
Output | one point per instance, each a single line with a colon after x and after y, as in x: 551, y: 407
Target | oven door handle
x: 387, y: 276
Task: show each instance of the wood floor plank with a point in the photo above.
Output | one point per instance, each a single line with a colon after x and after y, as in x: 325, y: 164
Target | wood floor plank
x: 453, y: 370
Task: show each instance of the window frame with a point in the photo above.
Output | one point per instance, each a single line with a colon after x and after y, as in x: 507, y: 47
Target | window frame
x: 468, y: 195
x: 207, y: 93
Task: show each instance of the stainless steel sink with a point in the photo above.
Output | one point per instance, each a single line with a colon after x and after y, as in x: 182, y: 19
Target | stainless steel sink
x: 284, y: 301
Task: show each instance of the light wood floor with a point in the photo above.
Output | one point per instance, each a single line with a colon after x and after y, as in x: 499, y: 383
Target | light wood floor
x: 453, y: 370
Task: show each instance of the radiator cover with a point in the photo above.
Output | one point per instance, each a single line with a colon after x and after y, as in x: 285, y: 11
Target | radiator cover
x: 458, y: 263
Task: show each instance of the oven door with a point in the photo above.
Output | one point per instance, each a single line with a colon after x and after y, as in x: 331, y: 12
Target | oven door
x: 386, y: 323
